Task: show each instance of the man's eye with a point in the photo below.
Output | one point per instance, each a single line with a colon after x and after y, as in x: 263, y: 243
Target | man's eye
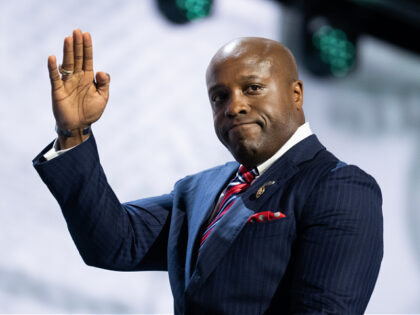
x: 218, y: 98
x: 253, y: 88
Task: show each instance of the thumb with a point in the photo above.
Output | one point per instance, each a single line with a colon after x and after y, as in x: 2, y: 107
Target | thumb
x: 102, y: 83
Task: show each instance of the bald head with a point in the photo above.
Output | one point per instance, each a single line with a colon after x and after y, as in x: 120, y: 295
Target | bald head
x: 257, y: 48
x: 256, y: 97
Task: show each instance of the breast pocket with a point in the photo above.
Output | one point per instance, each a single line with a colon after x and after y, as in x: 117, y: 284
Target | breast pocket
x: 272, y: 228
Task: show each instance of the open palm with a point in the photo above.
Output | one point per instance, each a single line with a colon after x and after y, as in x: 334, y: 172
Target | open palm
x: 78, y: 99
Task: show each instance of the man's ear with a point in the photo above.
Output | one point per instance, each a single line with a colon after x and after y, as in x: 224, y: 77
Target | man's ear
x: 297, y: 90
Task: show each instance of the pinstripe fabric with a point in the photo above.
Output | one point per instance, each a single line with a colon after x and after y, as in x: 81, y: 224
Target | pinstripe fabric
x: 322, y: 258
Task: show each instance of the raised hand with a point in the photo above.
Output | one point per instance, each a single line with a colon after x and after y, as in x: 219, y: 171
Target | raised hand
x: 78, y: 99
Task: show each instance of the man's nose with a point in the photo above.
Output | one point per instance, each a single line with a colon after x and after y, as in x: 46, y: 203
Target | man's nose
x: 237, y: 105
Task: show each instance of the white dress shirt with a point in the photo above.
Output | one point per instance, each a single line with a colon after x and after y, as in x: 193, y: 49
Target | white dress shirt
x: 301, y: 133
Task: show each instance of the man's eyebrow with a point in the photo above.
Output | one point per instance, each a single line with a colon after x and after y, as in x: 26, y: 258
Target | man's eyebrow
x: 214, y: 87
x: 249, y: 77
x: 242, y: 78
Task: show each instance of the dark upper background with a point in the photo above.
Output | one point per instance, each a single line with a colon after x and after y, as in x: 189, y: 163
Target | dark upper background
x: 159, y: 108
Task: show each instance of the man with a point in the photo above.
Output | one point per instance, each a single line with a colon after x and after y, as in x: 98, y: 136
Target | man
x: 295, y: 231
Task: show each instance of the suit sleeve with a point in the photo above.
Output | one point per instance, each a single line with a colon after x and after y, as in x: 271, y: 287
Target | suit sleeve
x: 108, y: 234
x: 339, y: 245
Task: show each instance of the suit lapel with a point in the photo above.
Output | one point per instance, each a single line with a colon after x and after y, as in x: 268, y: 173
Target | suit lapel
x: 276, y: 176
x: 228, y: 228
x: 210, y: 189
x: 235, y: 219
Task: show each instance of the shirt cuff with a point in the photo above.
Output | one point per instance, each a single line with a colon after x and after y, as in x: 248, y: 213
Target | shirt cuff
x: 53, y: 153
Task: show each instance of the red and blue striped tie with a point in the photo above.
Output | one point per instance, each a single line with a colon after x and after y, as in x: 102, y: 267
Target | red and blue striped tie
x: 240, y: 183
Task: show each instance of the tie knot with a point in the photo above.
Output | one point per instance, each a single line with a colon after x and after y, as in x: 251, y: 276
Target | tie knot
x: 246, y: 176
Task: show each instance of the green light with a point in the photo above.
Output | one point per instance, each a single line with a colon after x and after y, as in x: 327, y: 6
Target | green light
x: 195, y: 9
x: 335, y: 49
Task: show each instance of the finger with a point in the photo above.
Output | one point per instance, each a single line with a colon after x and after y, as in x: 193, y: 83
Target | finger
x: 102, y: 84
x: 56, y: 82
x: 87, y: 52
x: 68, y: 56
x: 78, y: 50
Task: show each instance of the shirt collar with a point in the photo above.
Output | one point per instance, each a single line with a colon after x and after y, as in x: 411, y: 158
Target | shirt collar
x: 301, y: 133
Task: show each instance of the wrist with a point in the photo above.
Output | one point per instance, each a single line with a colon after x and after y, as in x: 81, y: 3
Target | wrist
x: 73, y: 132
x: 71, y: 138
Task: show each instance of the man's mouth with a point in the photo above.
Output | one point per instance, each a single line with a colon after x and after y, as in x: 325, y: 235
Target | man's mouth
x: 243, y: 130
x: 243, y: 125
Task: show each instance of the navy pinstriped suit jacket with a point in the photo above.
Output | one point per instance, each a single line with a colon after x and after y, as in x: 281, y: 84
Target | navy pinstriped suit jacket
x: 322, y: 258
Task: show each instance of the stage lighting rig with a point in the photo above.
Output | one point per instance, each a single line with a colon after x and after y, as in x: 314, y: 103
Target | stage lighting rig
x: 328, y: 48
x: 329, y: 30
x: 185, y: 11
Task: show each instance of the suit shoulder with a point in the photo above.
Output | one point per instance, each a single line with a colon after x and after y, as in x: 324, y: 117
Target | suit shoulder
x: 346, y: 182
x: 342, y: 169
x: 326, y: 170
x: 352, y: 174
x: 346, y: 193
x: 333, y: 166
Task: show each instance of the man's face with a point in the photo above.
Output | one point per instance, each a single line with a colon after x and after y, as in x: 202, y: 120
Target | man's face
x: 253, y: 107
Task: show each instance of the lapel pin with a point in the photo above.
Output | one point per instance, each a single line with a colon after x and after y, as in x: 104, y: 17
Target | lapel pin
x: 261, y: 190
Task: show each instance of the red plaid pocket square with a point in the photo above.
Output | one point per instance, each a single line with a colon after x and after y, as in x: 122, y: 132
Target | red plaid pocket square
x: 266, y: 216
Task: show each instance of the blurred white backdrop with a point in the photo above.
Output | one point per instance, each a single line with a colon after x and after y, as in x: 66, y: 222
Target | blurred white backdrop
x: 157, y: 128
